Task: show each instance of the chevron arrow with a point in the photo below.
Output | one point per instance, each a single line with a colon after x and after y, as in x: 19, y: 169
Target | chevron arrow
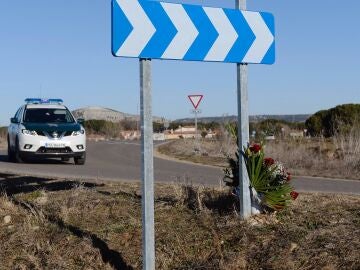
x: 207, y: 34
x: 142, y: 30
x: 158, y: 30
x: 245, y: 38
x: 227, y: 35
x: 186, y: 35
x: 165, y: 30
x: 264, y: 37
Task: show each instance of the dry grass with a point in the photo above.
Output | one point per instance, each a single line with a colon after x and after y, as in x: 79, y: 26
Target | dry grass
x: 69, y: 225
x: 337, y: 157
x: 3, y: 143
x: 210, y: 152
x: 31, y: 241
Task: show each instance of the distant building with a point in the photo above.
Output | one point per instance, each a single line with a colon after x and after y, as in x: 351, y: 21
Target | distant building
x: 270, y: 137
x: 131, y: 135
x: 186, y: 132
x: 299, y: 134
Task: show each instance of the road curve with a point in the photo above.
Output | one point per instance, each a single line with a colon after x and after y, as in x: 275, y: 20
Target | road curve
x: 121, y: 161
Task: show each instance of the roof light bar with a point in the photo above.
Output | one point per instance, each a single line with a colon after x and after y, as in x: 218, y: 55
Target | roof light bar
x: 44, y: 101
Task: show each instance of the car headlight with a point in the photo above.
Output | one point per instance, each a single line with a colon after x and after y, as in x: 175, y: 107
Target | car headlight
x: 77, y: 133
x: 29, y: 132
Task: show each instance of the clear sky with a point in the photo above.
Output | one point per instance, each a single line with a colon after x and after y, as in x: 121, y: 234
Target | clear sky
x: 61, y: 48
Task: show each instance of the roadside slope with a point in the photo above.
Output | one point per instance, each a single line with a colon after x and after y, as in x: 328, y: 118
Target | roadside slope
x: 98, y: 226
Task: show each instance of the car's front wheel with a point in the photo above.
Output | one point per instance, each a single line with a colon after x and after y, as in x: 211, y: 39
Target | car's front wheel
x: 17, y: 156
x: 80, y: 160
x: 11, y: 155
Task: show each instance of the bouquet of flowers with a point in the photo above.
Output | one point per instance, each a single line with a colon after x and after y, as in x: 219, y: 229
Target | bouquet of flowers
x: 269, y: 180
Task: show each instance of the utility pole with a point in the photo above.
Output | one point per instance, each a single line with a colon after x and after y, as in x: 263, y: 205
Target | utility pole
x: 243, y: 131
x: 147, y: 164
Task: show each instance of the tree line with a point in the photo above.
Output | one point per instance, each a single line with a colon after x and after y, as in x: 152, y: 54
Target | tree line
x: 338, y: 120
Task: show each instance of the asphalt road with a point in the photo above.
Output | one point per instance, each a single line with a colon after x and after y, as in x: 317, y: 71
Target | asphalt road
x: 121, y: 161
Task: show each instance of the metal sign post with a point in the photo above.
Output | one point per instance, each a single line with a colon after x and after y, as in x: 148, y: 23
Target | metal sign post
x: 196, y: 127
x: 197, y: 144
x: 147, y: 164
x: 243, y: 131
x: 161, y: 30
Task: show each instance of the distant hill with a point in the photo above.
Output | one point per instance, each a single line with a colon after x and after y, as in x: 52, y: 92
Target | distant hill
x: 100, y: 113
x: 295, y: 118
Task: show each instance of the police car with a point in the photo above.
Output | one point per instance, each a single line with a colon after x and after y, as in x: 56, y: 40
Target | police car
x: 46, y: 129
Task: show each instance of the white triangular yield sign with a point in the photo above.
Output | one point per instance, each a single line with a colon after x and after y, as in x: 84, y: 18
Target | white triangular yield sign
x: 195, y: 100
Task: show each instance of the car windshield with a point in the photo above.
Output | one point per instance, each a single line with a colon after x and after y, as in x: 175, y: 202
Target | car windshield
x: 48, y: 116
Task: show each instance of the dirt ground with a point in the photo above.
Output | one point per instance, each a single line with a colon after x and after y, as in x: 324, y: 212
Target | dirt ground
x: 60, y: 224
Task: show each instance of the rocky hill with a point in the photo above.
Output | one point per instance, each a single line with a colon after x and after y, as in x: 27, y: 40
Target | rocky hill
x: 100, y: 113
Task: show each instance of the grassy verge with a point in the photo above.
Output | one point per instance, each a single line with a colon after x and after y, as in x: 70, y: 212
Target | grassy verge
x: 338, y: 157
x: 51, y: 224
x: 3, y: 132
x: 3, y: 145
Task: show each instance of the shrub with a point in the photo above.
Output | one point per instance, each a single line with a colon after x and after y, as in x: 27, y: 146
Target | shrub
x: 95, y: 126
x: 338, y: 120
x: 158, y: 127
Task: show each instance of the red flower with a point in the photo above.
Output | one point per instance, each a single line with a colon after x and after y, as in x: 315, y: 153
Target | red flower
x: 294, y: 195
x: 255, y: 148
x: 269, y: 161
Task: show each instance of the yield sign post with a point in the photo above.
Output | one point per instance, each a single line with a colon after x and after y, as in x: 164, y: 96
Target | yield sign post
x: 195, y: 100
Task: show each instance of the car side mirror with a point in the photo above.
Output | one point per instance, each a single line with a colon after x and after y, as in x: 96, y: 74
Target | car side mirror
x: 81, y: 121
x: 13, y: 120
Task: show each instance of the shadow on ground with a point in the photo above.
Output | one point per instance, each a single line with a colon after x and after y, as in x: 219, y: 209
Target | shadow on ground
x: 11, y: 184
x: 58, y: 161
x: 4, y: 158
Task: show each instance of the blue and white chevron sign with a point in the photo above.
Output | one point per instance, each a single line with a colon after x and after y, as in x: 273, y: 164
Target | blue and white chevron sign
x: 157, y: 30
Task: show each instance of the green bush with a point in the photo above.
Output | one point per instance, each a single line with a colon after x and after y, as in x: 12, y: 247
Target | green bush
x: 204, y: 134
x: 339, y: 120
x: 158, y: 127
x: 95, y: 126
x: 129, y: 124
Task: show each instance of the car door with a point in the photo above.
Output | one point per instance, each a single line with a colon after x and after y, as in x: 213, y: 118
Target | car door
x: 14, y: 127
